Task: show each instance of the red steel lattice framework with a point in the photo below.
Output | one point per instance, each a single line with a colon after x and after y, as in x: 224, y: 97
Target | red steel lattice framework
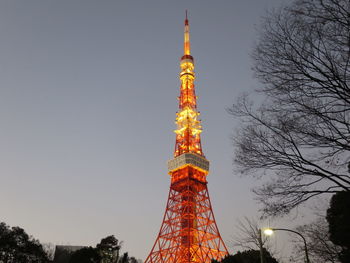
x: 189, y: 232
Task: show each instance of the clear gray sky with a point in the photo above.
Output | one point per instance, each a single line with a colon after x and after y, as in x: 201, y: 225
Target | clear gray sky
x: 88, y: 95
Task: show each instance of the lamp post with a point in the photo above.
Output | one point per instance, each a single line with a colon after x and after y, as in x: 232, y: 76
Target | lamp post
x: 261, y: 246
x: 269, y: 232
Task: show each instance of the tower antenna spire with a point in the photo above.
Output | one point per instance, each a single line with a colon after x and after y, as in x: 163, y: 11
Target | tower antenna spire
x: 187, y: 45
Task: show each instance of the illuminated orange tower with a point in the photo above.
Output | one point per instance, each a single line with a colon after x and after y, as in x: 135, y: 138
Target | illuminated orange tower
x: 189, y: 232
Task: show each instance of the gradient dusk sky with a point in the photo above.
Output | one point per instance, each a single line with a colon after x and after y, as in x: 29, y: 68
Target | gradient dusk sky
x: 88, y: 95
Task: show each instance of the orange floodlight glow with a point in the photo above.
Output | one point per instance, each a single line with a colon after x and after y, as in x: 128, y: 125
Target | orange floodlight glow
x: 189, y: 232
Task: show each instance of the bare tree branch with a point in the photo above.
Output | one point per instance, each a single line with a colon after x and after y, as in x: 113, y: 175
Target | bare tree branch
x: 300, y: 136
x: 321, y: 249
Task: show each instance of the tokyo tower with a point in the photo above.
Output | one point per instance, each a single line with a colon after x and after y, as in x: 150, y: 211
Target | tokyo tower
x: 189, y: 232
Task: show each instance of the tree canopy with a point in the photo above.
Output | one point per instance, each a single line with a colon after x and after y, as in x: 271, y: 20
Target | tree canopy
x: 338, y: 217
x: 298, y: 139
x: 248, y: 256
x: 85, y: 255
x: 107, y: 251
x: 16, y: 246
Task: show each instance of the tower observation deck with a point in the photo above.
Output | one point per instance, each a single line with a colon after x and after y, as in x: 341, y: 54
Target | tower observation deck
x: 188, y: 232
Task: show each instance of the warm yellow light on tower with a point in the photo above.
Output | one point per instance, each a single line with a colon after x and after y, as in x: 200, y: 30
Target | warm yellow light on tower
x: 189, y: 233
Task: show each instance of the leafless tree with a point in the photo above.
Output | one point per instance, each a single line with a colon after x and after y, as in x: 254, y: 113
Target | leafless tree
x: 298, y: 139
x: 320, y: 248
x: 248, y: 234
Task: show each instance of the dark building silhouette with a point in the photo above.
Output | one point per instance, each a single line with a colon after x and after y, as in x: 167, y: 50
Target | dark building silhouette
x: 63, y: 253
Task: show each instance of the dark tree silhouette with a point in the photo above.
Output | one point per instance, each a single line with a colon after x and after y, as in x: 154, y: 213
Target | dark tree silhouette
x: 248, y: 256
x: 16, y: 246
x: 85, y: 255
x: 338, y: 217
x: 299, y: 138
x: 109, y: 249
x: 125, y: 258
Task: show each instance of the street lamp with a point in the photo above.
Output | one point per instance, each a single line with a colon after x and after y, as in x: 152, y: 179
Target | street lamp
x: 269, y: 232
x: 261, y: 246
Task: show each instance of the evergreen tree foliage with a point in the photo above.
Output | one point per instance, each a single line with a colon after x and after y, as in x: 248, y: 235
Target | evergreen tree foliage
x: 338, y: 217
x: 248, y: 256
x: 16, y: 246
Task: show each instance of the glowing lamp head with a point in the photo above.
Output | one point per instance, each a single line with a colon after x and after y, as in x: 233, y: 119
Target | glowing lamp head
x: 268, y: 231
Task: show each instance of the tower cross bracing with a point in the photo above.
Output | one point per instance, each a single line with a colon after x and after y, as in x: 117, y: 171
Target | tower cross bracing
x: 188, y: 232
